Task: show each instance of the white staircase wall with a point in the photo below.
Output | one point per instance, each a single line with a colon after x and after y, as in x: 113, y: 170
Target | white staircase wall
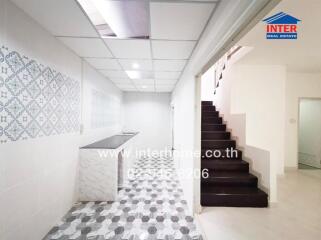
x: 251, y: 99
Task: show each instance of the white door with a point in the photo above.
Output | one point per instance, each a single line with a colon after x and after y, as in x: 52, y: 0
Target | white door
x: 310, y: 133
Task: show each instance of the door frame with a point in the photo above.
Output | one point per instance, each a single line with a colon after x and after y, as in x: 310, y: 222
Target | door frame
x: 298, y: 125
x: 197, y: 208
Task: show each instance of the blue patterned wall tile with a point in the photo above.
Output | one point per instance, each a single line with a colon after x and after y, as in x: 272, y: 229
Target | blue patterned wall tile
x: 1, y: 56
x: 35, y: 100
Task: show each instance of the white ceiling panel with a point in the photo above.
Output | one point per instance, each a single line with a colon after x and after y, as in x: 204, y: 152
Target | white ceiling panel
x: 87, y: 47
x: 167, y: 75
x: 172, y: 49
x: 164, y: 88
x: 136, y: 49
x: 129, y: 89
x: 144, y: 88
x: 180, y: 20
x: 144, y: 81
x: 136, y: 64
x: 169, y: 65
x: 114, y: 74
x: 165, y: 81
x: 59, y: 17
x: 104, y: 63
x: 121, y: 80
x: 123, y: 85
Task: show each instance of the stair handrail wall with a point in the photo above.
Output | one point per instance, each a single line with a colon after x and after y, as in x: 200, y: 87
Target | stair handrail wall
x: 222, y: 64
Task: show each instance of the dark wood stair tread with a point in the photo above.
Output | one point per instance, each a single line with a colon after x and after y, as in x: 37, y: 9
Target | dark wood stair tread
x: 215, y: 120
x: 223, y: 154
x: 206, y: 103
x: 230, y: 179
x: 233, y: 197
x: 215, y: 135
x: 225, y: 165
x: 218, y: 143
x: 206, y: 108
x: 229, y: 183
x: 213, y: 127
x: 232, y: 190
x: 218, y: 131
x: 233, y: 175
x: 210, y: 112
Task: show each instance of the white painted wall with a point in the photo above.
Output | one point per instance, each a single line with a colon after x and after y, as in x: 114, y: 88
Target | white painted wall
x: 310, y: 132
x: 150, y: 115
x: 183, y: 101
x: 207, y: 85
x: 228, y: 18
x: 251, y: 99
x: 38, y: 176
x: 298, y: 85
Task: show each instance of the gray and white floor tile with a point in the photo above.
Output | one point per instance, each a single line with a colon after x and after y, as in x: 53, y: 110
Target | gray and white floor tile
x: 150, y: 206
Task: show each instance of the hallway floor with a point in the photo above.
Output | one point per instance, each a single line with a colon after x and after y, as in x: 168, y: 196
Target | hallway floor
x: 148, y: 207
x: 297, y: 215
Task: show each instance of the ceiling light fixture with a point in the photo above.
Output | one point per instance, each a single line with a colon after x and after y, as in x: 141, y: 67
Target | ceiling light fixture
x: 127, y: 19
x: 132, y: 74
x: 144, y: 86
x: 96, y: 18
x: 135, y: 65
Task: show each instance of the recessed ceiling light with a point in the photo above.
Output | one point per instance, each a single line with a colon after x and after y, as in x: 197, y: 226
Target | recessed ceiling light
x: 135, y: 65
x: 139, y: 74
x: 133, y: 74
x: 96, y: 18
x: 144, y: 86
x: 123, y: 19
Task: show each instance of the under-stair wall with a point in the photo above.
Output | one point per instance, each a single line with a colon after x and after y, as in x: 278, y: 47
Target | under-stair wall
x: 252, y: 101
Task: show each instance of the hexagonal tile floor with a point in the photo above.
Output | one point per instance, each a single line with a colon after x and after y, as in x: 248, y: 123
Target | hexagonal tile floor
x: 150, y: 206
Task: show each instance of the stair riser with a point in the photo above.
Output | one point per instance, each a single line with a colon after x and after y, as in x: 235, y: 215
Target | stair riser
x: 208, y: 108
x: 222, y: 155
x: 215, y: 135
x: 229, y: 167
x: 212, y: 120
x: 210, y: 114
x: 207, y: 103
x: 229, y: 200
x: 208, y: 144
x: 230, y: 182
x: 217, y: 127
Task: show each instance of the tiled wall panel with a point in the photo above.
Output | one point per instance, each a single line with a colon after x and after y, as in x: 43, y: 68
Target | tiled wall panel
x: 35, y: 100
x: 104, y: 110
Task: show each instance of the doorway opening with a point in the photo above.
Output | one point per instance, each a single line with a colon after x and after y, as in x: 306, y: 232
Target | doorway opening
x: 309, y: 155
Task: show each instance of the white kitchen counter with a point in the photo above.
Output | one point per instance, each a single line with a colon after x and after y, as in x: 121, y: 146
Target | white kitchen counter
x: 103, y: 167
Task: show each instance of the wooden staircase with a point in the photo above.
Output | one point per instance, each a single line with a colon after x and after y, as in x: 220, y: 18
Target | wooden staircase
x: 229, y: 182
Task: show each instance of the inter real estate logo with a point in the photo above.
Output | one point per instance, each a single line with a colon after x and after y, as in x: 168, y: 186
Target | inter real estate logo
x: 281, y: 26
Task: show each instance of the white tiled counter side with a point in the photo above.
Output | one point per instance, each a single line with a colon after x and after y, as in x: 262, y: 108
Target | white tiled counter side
x: 100, y: 167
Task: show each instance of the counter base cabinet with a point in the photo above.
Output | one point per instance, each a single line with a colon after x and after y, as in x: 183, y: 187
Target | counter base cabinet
x: 98, y: 175
x: 103, y: 167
